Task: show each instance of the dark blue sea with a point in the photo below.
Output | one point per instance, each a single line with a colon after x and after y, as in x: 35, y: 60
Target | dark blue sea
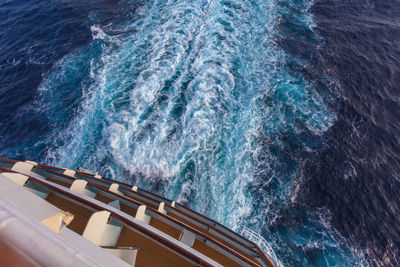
x: 280, y: 115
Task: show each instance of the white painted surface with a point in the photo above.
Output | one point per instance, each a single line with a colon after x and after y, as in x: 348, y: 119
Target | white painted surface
x: 25, y: 168
x: 46, y: 247
x: 99, y: 231
x: 81, y: 246
x: 22, y: 199
x: 114, y: 188
x: 79, y: 186
x: 69, y: 172
x: 17, y: 178
x: 161, y: 208
x: 128, y: 255
x: 141, y: 215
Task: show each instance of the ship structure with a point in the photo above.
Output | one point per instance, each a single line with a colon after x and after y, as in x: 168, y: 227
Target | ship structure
x: 52, y: 216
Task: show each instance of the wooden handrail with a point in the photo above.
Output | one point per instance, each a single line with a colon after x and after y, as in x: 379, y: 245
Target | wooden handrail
x: 105, y: 190
x: 50, y: 167
x: 184, y: 207
x: 132, y: 224
x: 210, y: 226
x: 188, y: 227
x: 128, y: 187
x: 161, y: 214
x: 9, y: 160
x: 141, y: 189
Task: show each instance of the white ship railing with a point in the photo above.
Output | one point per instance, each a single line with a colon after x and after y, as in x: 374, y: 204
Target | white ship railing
x: 260, y: 241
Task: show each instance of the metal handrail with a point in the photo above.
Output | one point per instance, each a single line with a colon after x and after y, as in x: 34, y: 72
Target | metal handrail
x: 260, y: 241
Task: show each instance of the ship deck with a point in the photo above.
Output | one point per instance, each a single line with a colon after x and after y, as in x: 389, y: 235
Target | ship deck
x: 164, y: 232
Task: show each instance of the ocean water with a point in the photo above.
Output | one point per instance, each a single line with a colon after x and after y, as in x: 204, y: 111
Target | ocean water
x: 275, y: 114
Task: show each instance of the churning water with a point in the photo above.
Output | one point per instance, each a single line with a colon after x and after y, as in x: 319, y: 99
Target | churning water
x: 200, y: 101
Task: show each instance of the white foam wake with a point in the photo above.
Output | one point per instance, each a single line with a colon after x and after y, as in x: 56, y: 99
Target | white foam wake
x: 182, y: 102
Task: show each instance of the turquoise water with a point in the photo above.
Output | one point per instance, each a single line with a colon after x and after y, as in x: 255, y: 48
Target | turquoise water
x: 195, y: 100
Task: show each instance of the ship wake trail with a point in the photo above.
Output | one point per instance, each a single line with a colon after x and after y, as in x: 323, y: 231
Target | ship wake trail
x: 194, y: 100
